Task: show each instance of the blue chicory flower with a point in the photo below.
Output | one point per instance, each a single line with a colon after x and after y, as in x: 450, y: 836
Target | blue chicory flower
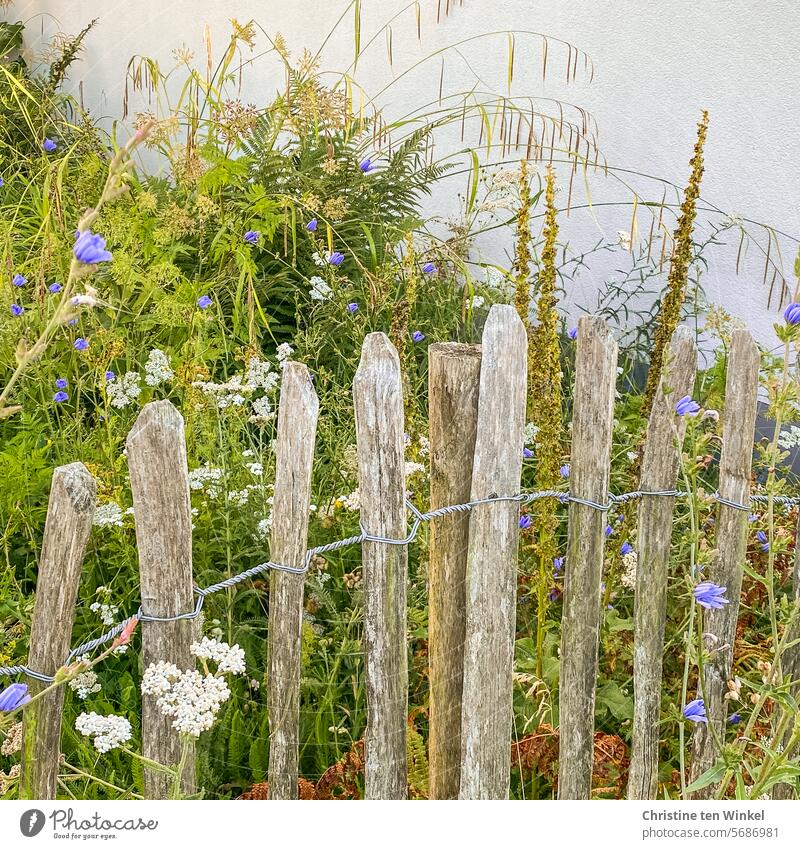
x: 366, y: 166
x: 351, y: 308
x: 609, y: 530
x: 695, y: 711
x: 14, y: 697
x: 764, y: 540
x: 734, y: 719
x: 49, y: 145
x: 417, y: 336
x: 687, y: 407
x: 89, y: 248
x: 558, y: 563
x: 2, y: 182
x: 54, y: 288
x: 626, y: 548
x: 59, y: 397
x: 17, y: 310
x: 429, y: 268
x: 792, y: 314
x: 110, y: 375
x: 335, y: 258
x: 312, y: 226
x: 525, y: 522
x: 527, y: 453
x: 573, y: 333
x: 80, y: 344
x: 564, y: 470
x: 710, y: 595
x: 553, y: 594
x: 204, y: 301
x: 61, y: 383
x: 252, y: 237
x: 18, y: 280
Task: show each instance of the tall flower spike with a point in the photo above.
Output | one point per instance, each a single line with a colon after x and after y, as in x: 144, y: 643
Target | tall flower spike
x: 544, y: 403
x: 522, y: 248
x: 669, y: 313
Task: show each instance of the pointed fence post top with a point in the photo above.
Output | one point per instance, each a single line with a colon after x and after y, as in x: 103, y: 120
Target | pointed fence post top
x: 296, y: 381
x: 78, y: 484
x: 158, y: 417
x: 379, y: 361
x: 503, y: 326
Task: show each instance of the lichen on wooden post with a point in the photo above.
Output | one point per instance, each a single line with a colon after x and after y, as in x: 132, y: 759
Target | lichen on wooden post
x: 486, y: 718
x: 660, y: 467
x: 378, y: 399
x: 70, y: 513
x: 297, y: 426
x: 162, y: 510
x: 595, y: 384
x: 453, y: 382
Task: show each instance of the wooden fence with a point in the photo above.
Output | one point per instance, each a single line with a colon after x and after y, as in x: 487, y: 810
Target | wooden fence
x: 477, y: 400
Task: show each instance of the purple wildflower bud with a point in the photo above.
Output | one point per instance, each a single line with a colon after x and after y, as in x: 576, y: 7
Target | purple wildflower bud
x: 61, y: 383
x: 553, y: 594
x: 429, y: 268
x: 252, y: 237
x: 564, y: 470
x: 335, y: 258
x: 312, y: 226
x: 49, y: 145
x: 753, y: 517
x: 625, y: 548
x: 695, y: 711
x: 792, y: 314
x: 80, y: 344
x: 527, y: 453
x: 525, y: 522
x: 558, y: 563
x: 72, y: 322
x: 573, y: 333
x: 687, y: 407
x: 764, y: 540
x: 110, y: 375
x: 351, y: 308
x: 609, y: 530
x: 18, y: 280
x: 59, y: 397
x: 710, y: 595
x: 734, y: 719
x: 89, y: 248
x: 54, y: 288
x: 366, y: 166
x: 14, y: 697
x: 204, y: 302
x: 417, y: 336
x: 16, y: 310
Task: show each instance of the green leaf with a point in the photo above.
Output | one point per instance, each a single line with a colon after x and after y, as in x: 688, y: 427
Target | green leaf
x: 710, y: 776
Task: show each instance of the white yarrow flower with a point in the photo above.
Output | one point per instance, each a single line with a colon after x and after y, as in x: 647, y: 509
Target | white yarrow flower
x: 109, y: 732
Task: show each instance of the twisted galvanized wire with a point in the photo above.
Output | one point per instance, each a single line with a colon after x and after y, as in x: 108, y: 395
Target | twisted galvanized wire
x: 418, y: 519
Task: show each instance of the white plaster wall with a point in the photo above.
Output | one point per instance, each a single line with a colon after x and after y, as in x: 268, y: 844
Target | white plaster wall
x: 656, y: 66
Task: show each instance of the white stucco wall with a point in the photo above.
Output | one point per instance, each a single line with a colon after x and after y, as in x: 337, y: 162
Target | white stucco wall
x: 656, y: 66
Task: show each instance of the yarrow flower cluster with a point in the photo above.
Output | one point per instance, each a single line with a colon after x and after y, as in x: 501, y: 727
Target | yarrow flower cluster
x: 109, y: 732
x: 320, y: 290
x: 157, y: 369
x: 123, y: 390
x: 108, y: 513
x: 191, y: 698
x: 85, y: 684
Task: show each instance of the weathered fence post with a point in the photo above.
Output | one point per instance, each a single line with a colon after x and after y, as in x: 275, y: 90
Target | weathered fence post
x: 595, y: 382
x: 486, y: 718
x: 453, y: 382
x: 162, y: 510
x: 70, y: 513
x: 378, y: 399
x: 297, y: 427
x: 660, y: 467
x: 719, y: 626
